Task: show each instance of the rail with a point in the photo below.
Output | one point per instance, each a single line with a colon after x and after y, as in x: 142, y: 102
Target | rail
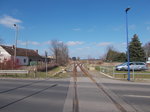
x: 118, y: 106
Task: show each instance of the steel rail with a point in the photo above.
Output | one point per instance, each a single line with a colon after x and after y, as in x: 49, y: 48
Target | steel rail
x: 75, y: 96
x: 119, y: 106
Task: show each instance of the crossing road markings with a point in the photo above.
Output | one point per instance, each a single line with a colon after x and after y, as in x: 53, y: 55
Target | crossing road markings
x: 137, y: 96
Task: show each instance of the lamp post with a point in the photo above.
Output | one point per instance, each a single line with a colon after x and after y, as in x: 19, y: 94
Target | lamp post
x: 128, y: 55
x: 16, y: 37
x: 46, y: 62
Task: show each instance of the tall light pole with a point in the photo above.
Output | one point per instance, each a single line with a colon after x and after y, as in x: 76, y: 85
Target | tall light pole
x: 128, y: 55
x: 46, y: 62
x: 16, y: 37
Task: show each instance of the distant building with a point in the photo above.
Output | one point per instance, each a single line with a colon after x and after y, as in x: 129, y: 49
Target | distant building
x: 49, y: 59
x: 23, y: 56
x: 148, y: 61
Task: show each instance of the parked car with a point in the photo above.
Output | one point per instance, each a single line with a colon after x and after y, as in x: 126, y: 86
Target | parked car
x: 133, y: 66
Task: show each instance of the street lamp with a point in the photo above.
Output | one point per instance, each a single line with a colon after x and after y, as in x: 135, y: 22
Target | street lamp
x: 16, y: 37
x: 46, y: 62
x: 128, y: 55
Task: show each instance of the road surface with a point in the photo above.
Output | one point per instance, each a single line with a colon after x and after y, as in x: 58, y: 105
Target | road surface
x: 17, y: 95
x: 80, y: 93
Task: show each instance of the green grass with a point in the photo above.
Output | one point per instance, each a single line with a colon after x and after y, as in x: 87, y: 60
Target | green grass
x: 109, y: 71
x: 132, y: 71
x: 131, y: 76
x: 97, y: 68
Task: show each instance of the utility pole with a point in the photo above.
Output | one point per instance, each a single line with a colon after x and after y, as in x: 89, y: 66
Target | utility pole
x: 46, y: 62
x: 128, y: 55
x: 16, y: 37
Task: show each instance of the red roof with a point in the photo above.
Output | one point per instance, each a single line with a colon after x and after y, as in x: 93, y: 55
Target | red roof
x: 21, y: 51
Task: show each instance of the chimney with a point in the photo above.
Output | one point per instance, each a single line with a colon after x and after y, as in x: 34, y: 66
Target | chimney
x: 36, y: 51
x: 13, y: 47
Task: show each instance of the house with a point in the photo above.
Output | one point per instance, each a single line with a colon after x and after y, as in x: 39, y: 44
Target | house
x: 148, y: 61
x: 23, y: 56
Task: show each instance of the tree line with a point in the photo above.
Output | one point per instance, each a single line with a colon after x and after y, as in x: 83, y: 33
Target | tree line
x: 136, y: 50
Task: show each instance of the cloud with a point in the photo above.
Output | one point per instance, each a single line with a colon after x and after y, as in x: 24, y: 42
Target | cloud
x: 9, y: 21
x: 22, y: 43
x: 104, y: 44
x: 76, y: 29
x: 34, y: 43
x: 28, y: 43
x: 47, y: 42
x: 73, y: 43
x: 124, y: 43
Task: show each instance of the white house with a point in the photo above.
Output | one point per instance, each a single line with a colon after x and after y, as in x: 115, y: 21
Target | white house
x: 23, y: 56
x: 148, y: 61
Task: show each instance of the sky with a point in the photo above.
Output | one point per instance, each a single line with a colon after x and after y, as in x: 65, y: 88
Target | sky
x: 88, y: 27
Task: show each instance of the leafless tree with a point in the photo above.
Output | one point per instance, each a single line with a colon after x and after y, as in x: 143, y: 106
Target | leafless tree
x: 146, y: 48
x: 60, y: 51
x: 55, y: 49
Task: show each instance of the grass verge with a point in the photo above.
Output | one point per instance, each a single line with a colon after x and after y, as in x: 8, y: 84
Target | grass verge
x: 54, y: 73
x: 138, y: 74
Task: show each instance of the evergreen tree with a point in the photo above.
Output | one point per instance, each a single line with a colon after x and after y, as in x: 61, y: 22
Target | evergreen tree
x: 113, y: 55
x: 135, y: 49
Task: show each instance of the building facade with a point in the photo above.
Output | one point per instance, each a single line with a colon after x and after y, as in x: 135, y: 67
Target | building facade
x: 23, y: 56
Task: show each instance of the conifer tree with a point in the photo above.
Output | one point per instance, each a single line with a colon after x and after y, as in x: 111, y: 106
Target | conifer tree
x: 135, y: 49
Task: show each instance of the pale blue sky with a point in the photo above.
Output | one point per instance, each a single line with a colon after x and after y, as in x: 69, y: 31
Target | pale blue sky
x: 87, y: 26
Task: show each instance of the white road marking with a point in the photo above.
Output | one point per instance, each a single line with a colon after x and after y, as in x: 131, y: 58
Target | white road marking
x: 137, y: 96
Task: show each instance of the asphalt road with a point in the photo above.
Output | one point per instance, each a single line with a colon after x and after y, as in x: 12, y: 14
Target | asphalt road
x: 136, y: 94
x: 17, y: 95
x: 56, y: 95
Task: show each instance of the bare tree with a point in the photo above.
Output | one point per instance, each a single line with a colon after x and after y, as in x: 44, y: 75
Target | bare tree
x: 55, y: 49
x: 60, y: 51
x: 146, y: 48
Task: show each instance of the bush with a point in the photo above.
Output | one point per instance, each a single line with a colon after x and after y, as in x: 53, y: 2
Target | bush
x: 9, y: 64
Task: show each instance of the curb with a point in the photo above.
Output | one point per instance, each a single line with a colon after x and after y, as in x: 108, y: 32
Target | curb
x: 107, y: 75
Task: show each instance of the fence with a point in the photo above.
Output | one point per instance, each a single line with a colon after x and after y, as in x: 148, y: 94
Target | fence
x: 14, y: 71
x: 109, y: 70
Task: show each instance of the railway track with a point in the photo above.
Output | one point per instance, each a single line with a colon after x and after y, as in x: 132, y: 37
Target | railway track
x: 99, y: 86
x: 75, y: 96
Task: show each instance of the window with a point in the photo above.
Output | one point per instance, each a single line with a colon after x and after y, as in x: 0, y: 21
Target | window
x: 131, y: 64
x: 140, y: 64
x: 24, y: 60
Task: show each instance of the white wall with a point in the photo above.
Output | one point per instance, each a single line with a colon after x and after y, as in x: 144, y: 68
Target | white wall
x: 4, y: 55
x: 23, y: 60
